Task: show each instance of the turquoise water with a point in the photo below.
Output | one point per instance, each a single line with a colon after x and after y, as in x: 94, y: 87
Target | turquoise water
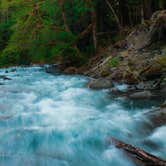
x: 55, y: 120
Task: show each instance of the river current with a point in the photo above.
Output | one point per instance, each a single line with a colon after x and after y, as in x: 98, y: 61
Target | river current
x: 55, y: 120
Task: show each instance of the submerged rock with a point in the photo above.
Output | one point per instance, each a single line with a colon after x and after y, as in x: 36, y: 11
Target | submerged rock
x: 13, y: 70
x: 158, y: 117
x: 100, y: 84
x: 141, y: 95
x: 6, y: 71
x: 5, y: 77
x: 6, y: 117
x: 141, y: 91
x: 116, y: 91
x: 53, y: 69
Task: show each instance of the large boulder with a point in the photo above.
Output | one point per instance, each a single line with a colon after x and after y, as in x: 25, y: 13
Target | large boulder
x: 138, y: 38
x: 100, y: 84
x: 144, y: 35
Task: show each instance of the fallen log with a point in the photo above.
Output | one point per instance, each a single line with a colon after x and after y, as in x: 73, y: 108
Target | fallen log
x: 138, y: 156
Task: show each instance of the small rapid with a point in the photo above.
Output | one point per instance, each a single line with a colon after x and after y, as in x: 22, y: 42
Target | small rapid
x: 55, y: 120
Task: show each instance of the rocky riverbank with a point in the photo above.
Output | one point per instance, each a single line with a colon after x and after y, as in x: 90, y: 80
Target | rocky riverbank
x: 138, y: 61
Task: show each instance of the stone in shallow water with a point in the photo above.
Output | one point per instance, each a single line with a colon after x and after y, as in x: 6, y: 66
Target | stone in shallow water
x: 53, y: 69
x: 100, y: 84
x: 141, y: 95
x: 4, y: 77
x: 6, y: 117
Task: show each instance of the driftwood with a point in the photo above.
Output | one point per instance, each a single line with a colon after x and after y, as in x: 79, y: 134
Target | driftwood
x: 139, y: 156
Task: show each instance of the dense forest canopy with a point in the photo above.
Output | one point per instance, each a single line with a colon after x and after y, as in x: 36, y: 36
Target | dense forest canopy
x: 46, y: 31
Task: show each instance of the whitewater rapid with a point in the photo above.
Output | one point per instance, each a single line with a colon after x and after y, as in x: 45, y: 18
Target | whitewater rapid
x: 56, y: 120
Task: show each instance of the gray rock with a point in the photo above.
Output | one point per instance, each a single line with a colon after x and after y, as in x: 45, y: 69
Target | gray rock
x: 162, y: 93
x: 158, y: 117
x: 164, y: 104
x: 6, y: 117
x: 100, y: 84
x: 5, y: 77
x: 141, y: 95
x: 53, y: 69
x: 116, y: 91
x: 148, y: 85
x: 13, y: 70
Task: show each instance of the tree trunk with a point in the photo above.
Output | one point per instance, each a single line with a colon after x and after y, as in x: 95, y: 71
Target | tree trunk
x: 124, y: 13
x: 94, y: 29
x: 142, y: 15
x: 139, y: 156
x: 147, y: 8
x: 114, y: 14
x: 61, y: 2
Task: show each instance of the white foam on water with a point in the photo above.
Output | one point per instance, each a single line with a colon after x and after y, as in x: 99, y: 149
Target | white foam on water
x: 116, y: 157
x: 59, y: 116
x: 159, y: 136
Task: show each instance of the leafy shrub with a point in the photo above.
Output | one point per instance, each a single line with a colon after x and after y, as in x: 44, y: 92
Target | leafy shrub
x: 9, y: 56
x: 73, y: 57
x: 114, y: 62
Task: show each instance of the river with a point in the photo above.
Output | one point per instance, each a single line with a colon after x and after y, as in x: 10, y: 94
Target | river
x: 55, y: 120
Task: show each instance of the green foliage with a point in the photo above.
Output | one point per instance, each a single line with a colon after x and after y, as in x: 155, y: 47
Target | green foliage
x: 114, y: 62
x: 38, y: 33
x: 10, y: 56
